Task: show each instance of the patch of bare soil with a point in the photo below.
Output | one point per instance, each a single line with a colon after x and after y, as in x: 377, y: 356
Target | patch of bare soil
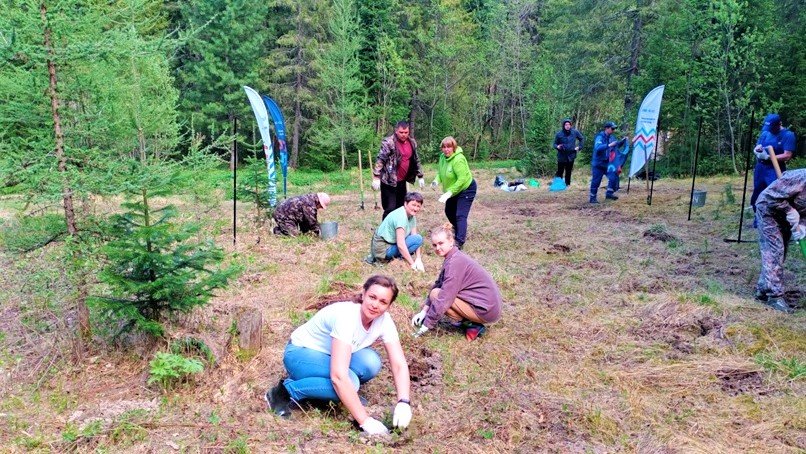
x: 680, y: 325
x: 558, y: 248
x: 339, y: 292
x: 735, y: 381
x: 425, y: 369
x: 659, y: 235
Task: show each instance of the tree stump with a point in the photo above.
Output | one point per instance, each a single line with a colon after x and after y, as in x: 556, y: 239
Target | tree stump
x: 250, y: 330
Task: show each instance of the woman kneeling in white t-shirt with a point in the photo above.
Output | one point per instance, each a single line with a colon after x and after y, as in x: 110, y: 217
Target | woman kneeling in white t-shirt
x: 329, y: 357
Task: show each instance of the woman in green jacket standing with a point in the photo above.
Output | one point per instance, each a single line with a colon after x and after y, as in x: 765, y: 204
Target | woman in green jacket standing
x: 459, y: 186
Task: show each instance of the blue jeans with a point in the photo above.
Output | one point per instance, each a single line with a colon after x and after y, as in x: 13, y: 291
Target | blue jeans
x: 457, y: 208
x: 413, y: 242
x: 309, y: 372
x: 763, y: 176
x: 597, y: 172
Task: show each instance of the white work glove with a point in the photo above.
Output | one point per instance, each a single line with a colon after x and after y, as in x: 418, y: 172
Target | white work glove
x: 374, y: 427
x: 376, y: 184
x: 418, y: 265
x: 421, y: 182
x: 418, y: 318
x: 444, y: 197
x: 799, y: 232
x: 421, y: 331
x: 761, y: 153
x: 793, y: 218
x: 402, y: 415
x: 434, y: 184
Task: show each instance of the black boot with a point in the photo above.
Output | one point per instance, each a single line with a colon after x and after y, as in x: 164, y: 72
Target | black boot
x: 779, y: 304
x: 611, y: 197
x: 279, y: 400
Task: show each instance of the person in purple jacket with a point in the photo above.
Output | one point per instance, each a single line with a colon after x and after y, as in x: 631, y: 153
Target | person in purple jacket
x: 464, y: 291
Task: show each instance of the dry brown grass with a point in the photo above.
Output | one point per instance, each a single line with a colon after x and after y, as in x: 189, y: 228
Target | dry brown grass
x: 626, y: 328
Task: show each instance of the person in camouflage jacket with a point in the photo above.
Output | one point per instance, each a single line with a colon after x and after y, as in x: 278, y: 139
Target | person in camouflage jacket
x: 780, y: 215
x: 298, y: 214
x: 397, y: 162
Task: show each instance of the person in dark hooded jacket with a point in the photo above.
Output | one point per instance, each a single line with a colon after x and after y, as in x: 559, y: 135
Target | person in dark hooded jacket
x: 568, y: 141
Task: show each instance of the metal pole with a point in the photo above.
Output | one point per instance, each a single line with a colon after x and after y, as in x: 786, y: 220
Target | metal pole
x: 234, y: 179
x: 654, y: 163
x: 749, y: 145
x: 696, y: 159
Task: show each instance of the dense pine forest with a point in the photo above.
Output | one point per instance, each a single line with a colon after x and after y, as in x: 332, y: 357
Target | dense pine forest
x: 155, y: 79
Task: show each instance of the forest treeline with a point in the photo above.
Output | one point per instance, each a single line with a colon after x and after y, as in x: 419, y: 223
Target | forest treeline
x: 159, y: 77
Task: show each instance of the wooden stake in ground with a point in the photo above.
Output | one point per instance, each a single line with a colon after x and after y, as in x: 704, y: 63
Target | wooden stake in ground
x: 369, y: 158
x: 774, y: 160
x: 361, y: 177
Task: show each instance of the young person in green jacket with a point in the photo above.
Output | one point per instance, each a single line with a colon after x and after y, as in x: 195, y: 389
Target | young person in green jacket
x: 459, y: 186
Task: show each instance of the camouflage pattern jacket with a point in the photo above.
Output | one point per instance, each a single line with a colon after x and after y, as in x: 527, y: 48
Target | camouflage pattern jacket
x: 784, y: 195
x: 298, y: 214
x: 389, y: 158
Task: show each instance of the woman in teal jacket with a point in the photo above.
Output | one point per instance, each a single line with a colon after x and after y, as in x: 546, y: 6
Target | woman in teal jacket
x: 459, y: 186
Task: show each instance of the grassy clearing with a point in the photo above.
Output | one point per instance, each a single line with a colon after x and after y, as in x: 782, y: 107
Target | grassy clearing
x: 626, y: 328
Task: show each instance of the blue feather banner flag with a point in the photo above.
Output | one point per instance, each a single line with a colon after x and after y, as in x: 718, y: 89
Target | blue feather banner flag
x: 279, y: 129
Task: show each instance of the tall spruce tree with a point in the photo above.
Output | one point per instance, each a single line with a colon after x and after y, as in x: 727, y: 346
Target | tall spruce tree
x: 342, y: 126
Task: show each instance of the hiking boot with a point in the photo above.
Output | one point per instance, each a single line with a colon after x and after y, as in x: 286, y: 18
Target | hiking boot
x: 279, y: 400
x: 474, y: 330
x: 369, y: 259
x: 760, y: 295
x: 611, y: 197
x: 593, y: 200
x: 779, y: 304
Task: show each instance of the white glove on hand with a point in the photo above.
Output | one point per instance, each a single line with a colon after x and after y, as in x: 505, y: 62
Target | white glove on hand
x: 421, y: 182
x: 418, y: 318
x: 376, y: 184
x: 444, y: 197
x: 418, y: 265
x: 799, y: 232
x: 374, y: 427
x: 421, y: 331
x: 793, y: 218
x: 402, y: 415
x: 761, y: 153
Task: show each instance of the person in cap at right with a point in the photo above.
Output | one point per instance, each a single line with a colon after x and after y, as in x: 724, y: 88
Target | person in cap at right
x: 604, y: 152
x: 783, y: 143
x: 568, y: 141
x: 781, y: 215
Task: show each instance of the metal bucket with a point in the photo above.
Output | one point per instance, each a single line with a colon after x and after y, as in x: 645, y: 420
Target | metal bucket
x: 328, y: 230
x: 699, y: 198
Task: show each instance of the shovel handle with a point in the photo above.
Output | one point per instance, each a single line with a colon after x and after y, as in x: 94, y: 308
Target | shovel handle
x: 774, y: 160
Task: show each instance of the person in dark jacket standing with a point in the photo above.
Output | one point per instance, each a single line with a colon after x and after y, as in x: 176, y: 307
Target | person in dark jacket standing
x: 397, y: 163
x: 568, y: 141
x: 298, y: 214
x: 781, y: 215
x: 604, y: 152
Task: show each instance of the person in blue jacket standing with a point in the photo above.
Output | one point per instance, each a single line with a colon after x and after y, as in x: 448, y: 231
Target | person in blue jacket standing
x: 604, y: 152
x: 568, y: 141
x: 783, y: 143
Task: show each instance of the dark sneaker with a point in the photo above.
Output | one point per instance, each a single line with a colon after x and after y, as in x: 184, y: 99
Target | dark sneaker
x: 449, y: 325
x: 593, y: 200
x: 779, y: 304
x: 611, y: 197
x: 369, y: 259
x: 279, y: 400
x: 760, y: 295
x: 474, y: 330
